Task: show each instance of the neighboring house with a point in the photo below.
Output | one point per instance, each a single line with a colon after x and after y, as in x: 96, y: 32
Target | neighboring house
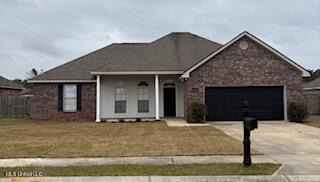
x: 312, y: 87
x: 10, y: 88
x: 162, y: 78
x: 311, y: 92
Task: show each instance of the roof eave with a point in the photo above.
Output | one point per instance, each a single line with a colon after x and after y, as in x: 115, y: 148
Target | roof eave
x: 15, y: 88
x: 137, y: 72
x: 61, y: 81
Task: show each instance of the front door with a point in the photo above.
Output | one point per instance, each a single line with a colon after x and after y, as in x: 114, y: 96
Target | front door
x: 169, y: 101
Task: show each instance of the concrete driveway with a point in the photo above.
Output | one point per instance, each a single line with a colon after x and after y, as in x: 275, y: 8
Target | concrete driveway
x: 297, y: 146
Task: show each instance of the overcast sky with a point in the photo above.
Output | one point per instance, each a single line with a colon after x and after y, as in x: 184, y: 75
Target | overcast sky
x: 43, y: 34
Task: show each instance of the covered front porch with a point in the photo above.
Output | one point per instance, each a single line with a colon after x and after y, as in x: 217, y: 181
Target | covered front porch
x: 122, y: 96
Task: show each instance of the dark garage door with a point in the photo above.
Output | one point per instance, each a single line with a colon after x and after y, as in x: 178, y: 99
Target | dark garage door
x: 225, y: 103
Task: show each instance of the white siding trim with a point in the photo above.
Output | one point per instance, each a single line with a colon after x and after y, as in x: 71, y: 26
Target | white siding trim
x: 98, y: 115
x: 312, y: 88
x: 305, y: 73
x: 285, y: 110
x: 156, y: 83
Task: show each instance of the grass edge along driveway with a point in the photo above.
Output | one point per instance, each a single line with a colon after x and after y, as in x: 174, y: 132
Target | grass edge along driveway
x: 313, y: 120
x: 150, y: 170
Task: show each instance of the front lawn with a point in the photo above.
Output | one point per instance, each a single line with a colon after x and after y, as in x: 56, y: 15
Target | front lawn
x: 151, y: 170
x: 9, y: 121
x: 89, y: 139
x: 313, y: 120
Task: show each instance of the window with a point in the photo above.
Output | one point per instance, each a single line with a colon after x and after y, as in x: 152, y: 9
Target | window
x: 69, y: 97
x: 143, y: 97
x: 121, y: 98
x: 169, y: 83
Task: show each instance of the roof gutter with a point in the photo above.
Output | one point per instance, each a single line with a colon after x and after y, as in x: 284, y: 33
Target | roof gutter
x: 137, y: 72
x: 61, y: 81
x: 15, y: 88
x: 312, y: 88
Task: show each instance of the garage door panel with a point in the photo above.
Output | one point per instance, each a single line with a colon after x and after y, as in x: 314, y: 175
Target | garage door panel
x: 226, y: 103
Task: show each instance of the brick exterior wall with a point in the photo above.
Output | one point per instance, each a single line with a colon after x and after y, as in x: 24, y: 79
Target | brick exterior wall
x: 255, y: 66
x: 10, y: 92
x: 45, y: 103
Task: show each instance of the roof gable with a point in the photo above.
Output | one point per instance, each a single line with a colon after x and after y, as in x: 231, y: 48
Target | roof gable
x: 186, y: 74
x: 5, y: 83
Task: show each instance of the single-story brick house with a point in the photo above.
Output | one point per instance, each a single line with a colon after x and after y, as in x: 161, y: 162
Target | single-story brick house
x: 10, y: 88
x: 162, y: 78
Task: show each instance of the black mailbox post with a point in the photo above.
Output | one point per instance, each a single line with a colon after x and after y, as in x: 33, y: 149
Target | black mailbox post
x: 249, y: 124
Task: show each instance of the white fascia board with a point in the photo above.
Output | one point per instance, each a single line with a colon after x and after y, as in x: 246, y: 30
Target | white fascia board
x: 61, y: 81
x: 312, y: 88
x: 305, y: 73
x: 136, y: 72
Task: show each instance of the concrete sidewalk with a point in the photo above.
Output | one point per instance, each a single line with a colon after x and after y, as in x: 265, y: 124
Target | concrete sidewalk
x: 281, y: 178
x: 19, y: 162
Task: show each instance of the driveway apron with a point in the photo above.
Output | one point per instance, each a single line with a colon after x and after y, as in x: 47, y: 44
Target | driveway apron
x: 294, y: 145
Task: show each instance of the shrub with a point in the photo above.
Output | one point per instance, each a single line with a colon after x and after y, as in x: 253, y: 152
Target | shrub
x: 297, y: 112
x: 197, y: 113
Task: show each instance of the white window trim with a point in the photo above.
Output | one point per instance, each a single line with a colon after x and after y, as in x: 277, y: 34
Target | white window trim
x: 63, y: 98
x: 115, y: 97
x: 168, y: 81
x: 143, y: 100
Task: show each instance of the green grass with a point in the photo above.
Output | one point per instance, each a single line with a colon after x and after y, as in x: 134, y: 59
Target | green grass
x: 11, y: 121
x: 151, y: 170
x: 32, y: 138
x: 313, y: 120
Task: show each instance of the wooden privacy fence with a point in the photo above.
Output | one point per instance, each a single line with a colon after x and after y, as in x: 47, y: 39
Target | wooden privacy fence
x: 313, y: 104
x: 15, y: 106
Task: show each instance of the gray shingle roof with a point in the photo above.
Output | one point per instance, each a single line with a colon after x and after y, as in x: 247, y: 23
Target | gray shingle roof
x: 80, y: 68
x: 176, y: 51
x: 312, y: 84
x: 5, y: 83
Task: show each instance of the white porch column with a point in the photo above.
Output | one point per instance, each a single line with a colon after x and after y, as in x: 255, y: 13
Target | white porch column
x: 156, y: 80
x: 98, y: 119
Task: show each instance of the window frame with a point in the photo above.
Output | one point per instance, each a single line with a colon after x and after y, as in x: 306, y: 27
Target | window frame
x: 64, y: 98
x: 124, y: 86
x: 138, y: 94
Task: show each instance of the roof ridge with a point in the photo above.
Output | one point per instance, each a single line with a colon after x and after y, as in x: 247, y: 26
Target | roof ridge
x: 131, y: 43
x: 205, y: 38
